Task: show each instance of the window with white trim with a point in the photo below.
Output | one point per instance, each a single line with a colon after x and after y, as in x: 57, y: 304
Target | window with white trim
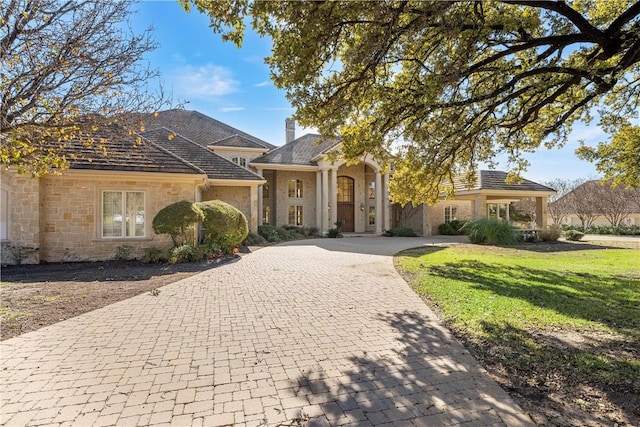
x: 266, y: 214
x: 242, y: 161
x: 450, y: 214
x: 123, y: 214
x: 295, y: 215
x: 295, y: 189
x: 4, y: 214
x: 372, y: 215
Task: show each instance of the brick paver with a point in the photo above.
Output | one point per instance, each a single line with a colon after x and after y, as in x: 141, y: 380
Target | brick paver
x: 317, y: 332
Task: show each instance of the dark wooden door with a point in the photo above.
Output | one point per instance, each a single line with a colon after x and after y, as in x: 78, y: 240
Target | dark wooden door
x: 346, y: 212
x: 345, y: 216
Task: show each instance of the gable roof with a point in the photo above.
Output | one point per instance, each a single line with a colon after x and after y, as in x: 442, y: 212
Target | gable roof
x: 497, y: 180
x: 202, y: 129
x: 215, y: 166
x: 300, y: 151
x: 113, y: 148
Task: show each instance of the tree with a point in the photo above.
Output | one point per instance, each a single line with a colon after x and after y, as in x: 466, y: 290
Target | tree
x: 582, y: 202
x: 615, y: 203
x: 618, y: 160
x: 177, y: 220
x: 68, y: 68
x: 459, y: 81
x: 559, y: 206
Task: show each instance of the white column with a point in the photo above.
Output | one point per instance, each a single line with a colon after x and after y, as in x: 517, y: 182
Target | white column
x: 260, y: 198
x: 253, y: 221
x: 325, y: 200
x: 319, y: 200
x: 378, y: 203
x: 387, y: 203
x: 334, y: 197
x: 507, y: 212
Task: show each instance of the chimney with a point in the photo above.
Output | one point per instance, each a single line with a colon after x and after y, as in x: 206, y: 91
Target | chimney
x: 290, y: 130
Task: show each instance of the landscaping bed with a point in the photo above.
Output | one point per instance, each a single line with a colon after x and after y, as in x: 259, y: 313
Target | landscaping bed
x: 556, y: 324
x: 34, y: 296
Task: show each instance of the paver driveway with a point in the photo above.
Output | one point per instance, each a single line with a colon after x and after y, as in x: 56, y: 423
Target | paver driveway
x: 316, y: 332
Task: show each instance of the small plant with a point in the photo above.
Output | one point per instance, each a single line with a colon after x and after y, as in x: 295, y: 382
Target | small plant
x: 152, y: 255
x: 154, y: 292
x: 124, y: 253
x: 573, y: 235
x: 400, y: 232
x: 189, y: 253
x: 453, y: 228
x: 254, y: 239
x: 551, y: 234
x: 334, y: 233
x: 491, y: 232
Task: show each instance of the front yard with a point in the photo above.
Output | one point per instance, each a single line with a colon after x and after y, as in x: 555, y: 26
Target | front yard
x: 557, y: 325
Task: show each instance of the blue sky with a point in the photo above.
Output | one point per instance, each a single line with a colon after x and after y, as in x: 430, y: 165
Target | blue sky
x: 232, y: 85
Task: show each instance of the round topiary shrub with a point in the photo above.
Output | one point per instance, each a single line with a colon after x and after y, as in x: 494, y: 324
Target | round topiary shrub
x: 176, y: 220
x: 224, y: 225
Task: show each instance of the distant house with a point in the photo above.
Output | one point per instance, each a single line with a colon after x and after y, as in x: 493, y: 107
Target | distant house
x: 105, y: 204
x: 594, y: 203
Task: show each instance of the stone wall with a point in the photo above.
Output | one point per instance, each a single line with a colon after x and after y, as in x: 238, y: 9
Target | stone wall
x: 283, y: 201
x: 71, y: 216
x: 22, y: 245
x: 238, y: 197
x: 435, y: 213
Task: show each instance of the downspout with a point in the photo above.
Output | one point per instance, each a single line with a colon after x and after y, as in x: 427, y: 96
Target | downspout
x: 198, y: 198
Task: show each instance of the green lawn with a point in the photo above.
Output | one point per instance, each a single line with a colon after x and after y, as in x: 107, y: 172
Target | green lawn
x: 572, y: 315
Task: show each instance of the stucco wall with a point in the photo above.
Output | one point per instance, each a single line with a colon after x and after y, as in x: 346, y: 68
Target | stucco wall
x: 71, y: 210
x: 23, y: 223
x: 308, y: 200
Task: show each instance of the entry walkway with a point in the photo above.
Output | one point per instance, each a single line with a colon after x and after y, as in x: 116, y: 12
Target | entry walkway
x: 316, y: 332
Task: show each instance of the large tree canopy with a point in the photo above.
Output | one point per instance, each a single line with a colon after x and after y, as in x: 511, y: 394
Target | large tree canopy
x: 68, y: 67
x: 459, y: 82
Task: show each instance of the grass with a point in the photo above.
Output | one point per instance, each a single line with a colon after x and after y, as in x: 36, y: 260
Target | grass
x: 572, y: 314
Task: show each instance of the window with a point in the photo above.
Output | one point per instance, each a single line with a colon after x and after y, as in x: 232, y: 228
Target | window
x: 295, y: 215
x: 345, y: 189
x: 450, y: 214
x: 122, y: 214
x: 242, y: 161
x: 4, y: 214
x: 372, y: 190
x: 295, y: 189
x: 497, y: 211
x: 372, y: 215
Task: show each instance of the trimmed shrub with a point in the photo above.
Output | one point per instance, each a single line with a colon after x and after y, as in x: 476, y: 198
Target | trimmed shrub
x: 453, y: 228
x: 176, y: 220
x: 224, y: 225
x: 269, y: 233
x: 573, y: 235
x: 551, y: 234
x: 492, y: 232
x: 254, y: 239
x: 399, y: 232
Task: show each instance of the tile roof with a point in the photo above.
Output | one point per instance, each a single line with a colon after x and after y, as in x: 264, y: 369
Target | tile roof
x: 496, y: 180
x: 300, y: 151
x: 113, y: 148
x: 215, y: 166
x: 202, y: 129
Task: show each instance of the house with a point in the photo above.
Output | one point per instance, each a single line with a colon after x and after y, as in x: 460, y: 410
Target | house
x: 598, y: 204
x: 104, y: 205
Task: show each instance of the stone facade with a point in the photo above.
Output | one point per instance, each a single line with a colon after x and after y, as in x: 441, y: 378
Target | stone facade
x: 239, y: 197
x: 307, y: 201
x: 435, y: 213
x: 22, y: 245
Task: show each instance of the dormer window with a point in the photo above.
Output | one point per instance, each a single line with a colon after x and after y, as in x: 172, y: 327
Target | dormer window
x: 242, y: 161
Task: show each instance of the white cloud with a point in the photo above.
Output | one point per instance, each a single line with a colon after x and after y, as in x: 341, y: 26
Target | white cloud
x: 231, y: 109
x: 204, y: 81
x: 263, y: 84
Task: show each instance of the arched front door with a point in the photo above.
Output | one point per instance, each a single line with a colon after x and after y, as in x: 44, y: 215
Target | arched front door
x: 346, y: 211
